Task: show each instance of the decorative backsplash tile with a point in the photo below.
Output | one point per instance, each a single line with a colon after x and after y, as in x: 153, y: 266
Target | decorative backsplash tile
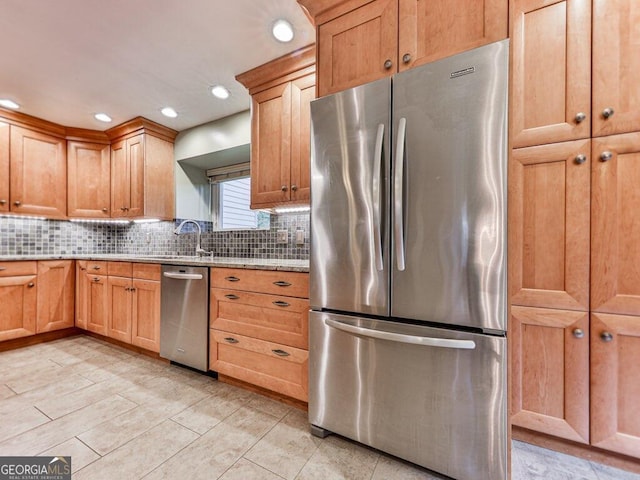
x: 26, y: 236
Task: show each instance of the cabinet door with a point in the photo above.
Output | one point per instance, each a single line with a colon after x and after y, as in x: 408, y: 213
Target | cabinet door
x: 145, y: 321
x: 615, y: 229
x: 89, y: 182
x: 615, y: 383
x: 358, y: 47
x: 616, y: 66
x: 434, y: 29
x: 56, y: 283
x: 119, y: 308
x: 550, y: 361
x: 271, y: 145
x: 549, y: 225
x: 551, y: 71
x: 83, y: 292
x: 38, y: 173
x: 4, y: 166
x: 302, y: 92
x: 120, y: 179
x: 18, y: 312
x: 97, y: 307
x: 136, y: 159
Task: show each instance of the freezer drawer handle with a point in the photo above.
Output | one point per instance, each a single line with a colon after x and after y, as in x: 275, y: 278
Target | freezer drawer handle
x: 232, y: 279
x: 398, y: 195
x: 280, y: 353
x: 280, y: 303
x: 231, y: 296
x: 399, y: 337
x: 376, y: 191
x: 281, y: 283
x: 183, y: 276
x: 231, y: 340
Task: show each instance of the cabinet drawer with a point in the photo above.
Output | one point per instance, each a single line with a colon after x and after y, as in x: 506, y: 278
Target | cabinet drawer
x: 120, y: 269
x: 16, y: 269
x: 269, y: 365
x: 290, y: 284
x: 146, y: 271
x: 93, y: 267
x: 268, y: 317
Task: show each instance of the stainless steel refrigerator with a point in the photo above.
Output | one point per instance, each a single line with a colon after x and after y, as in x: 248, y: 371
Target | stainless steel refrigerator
x: 408, y: 264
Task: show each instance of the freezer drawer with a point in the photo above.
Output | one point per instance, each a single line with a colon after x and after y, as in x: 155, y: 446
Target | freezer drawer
x: 432, y: 396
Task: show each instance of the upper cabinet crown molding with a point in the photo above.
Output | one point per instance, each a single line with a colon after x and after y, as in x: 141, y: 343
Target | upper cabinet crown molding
x: 39, y: 125
x: 141, y: 125
x: 319, y: 11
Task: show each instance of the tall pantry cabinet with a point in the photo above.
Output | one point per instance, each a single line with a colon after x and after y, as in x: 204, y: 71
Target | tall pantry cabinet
x: 574, y: 265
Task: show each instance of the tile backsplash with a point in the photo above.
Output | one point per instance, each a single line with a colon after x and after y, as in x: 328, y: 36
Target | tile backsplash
x: 27, y: 236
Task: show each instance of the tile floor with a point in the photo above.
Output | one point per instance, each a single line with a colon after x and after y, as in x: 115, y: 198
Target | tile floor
x: 126, y: 416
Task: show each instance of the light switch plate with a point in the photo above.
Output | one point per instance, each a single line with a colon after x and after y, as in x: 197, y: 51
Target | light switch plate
x: 281, y: 236
x: 299, y: 237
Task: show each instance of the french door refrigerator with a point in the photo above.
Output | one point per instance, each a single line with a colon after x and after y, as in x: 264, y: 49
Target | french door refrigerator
x: 408, y: 264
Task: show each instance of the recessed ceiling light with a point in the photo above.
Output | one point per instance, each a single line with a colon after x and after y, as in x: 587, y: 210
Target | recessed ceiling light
x: 169, y: 112
x: 282, y: 31
x: 220, y: 92
x: 103, y: 117
x: 5, y: 102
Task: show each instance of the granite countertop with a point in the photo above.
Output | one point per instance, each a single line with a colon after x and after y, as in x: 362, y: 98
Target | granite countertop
x: 229, y: 262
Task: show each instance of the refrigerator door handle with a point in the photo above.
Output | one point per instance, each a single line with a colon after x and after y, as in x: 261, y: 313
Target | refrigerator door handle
x: 376, y: 191
x: 398, y: 195
x: 402, y: 338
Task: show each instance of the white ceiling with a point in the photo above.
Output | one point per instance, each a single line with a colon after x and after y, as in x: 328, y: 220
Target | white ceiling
x: 65, y: 60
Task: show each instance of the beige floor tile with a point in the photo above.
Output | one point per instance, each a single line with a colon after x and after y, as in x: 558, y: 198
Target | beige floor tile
x: 246, y: 470
x: 287, y: 447
x: 32, y: 376
x: 62, y: 429
x: 117, y: 431
x: 21, y: 421
x: 389, y: 467
x: 160, y: 389
x: 529, y: 462
x: 218, y: 449
x: 605, y: 472
x: 80, y: 454
x: 6, y: 392
x: 339, y: 459
x: 138, y: 457
x: 266, y: 405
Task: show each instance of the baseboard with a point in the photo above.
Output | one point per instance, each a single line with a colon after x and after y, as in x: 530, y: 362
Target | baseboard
x: 127, y: 346
x: 38, y: 338
x: 299, y: 404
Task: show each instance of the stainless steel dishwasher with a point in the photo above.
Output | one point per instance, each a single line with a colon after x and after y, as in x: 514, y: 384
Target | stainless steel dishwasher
x: 184, y: 313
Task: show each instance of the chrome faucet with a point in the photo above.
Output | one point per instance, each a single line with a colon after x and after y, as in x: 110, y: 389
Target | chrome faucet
x: 199, y: 250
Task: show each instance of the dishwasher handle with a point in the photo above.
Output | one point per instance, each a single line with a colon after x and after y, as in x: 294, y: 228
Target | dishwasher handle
x: 402, y: 338
x: 183, y: 276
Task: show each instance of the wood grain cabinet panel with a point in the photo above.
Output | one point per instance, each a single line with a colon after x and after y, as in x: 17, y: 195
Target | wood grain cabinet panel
x: 303, y: 91
x: 616, y: 66
x: 289, y: 284
x: 38, y: 165
x: 550, y: 361
x: 551, y: 71
x: 120, y: 302
x: 56, y: 295
x: 145, y: 314
x: 97, y: 303
x: 615, y: 383
x: 549, y: 213
x: 89, y: 185
x: 615, y: 229
x: 4, y: 166
x: 18, y: 297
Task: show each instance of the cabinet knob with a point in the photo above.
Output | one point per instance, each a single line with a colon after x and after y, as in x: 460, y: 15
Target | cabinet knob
x: 294, y: 188
x: 578, y: 333
x: 388, y: 64
x: 231, y: 340
x: 606, y: 156
x: 406, y: 58
x: 17, y: 203
x: 105, y: 209
x: 123, y: 208
x: 283, y: 188
x: 580, y: 159
x: 96, y: 267
x: 607, y: 112
x: 96, y: 279
x: 31, y: 284
x: 580, y: 117
x: 2, y: 201
x: 606, y: 336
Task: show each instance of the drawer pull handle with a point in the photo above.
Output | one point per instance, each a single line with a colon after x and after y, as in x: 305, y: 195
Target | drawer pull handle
x: 2, y: 268
x: 96, y: 279
x: 280, y: 303
x: 96, y: 267
x: 231, y: 296
x: 232, y: 279
x: 31, y: 285
x: 231, y: 340
x: 282, y: 283
x: 280, y: 353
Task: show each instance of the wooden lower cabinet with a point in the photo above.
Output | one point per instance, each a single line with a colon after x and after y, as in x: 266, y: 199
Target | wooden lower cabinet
x: 56, y: 284
x: 259, y: 328
x: 120, y: 301
x: 145, y: 313
x: 18, y: 296
x: 615, y: 383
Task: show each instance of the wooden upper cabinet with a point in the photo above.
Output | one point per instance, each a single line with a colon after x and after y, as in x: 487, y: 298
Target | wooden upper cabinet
x: 358, y: 47
x: 616, y: 66
x: 56, y: 285
x: 38, y: 168
x: 434, y: 29
x: 281, y: 93
x: 615, y: 229
x: 120, y: 178
x: 88, y: 170
x: 615, y: 383
x: 551, y: 71
x: 4, y: 166
x: 136, y: 159
x: 549, y: 225
x: 549, y: 369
